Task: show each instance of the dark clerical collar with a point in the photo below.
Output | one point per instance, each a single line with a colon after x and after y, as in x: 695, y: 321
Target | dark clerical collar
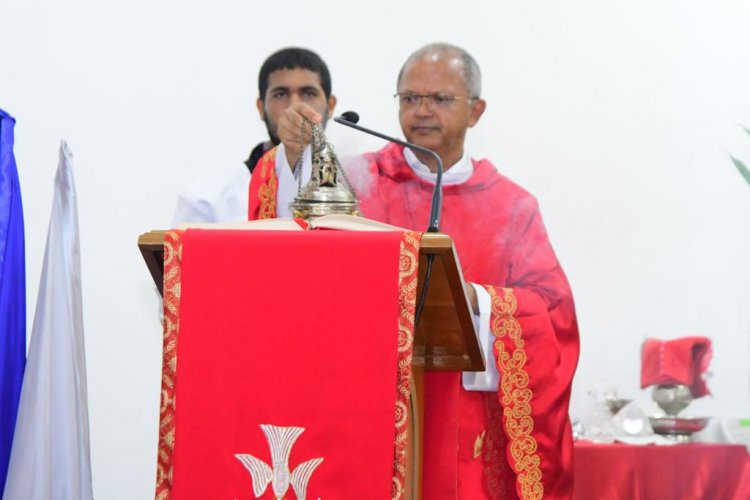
x: 255, y: 155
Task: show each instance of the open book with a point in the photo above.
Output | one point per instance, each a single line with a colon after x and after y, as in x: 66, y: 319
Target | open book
x: 334, y: 221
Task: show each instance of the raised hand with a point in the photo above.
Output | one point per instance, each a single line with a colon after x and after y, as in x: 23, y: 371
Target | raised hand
x: 295, y: 129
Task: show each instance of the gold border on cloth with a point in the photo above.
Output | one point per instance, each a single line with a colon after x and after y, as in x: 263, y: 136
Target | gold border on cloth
x: 172, y: 280
x: 516, y: 394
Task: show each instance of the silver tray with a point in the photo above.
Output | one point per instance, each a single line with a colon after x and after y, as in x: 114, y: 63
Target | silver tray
x: 678, y: 427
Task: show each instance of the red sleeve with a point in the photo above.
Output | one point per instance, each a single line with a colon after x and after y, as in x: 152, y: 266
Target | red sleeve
x: 536, y: 349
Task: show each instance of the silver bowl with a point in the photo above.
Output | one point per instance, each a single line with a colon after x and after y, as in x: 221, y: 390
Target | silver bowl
x: 678, y: 428
x: 672, y: 398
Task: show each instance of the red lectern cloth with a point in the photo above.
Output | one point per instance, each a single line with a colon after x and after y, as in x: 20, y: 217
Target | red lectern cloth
x: 678, y: 361
x: 308, y: 329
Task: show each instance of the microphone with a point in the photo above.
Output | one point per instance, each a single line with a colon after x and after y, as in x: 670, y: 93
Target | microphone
x: 350, y: 119
x: 350, y: 116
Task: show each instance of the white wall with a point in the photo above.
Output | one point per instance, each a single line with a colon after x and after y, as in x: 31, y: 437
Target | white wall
x: 617, y: 115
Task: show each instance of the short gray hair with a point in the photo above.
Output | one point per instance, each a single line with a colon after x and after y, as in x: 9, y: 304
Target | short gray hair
x: 470, y: 69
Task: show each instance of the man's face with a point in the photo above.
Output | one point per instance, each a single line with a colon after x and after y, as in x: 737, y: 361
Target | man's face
x: 287, y: 86
x: 427, y: 123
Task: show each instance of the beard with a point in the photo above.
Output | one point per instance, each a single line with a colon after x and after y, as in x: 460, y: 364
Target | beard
x: 272, y: 127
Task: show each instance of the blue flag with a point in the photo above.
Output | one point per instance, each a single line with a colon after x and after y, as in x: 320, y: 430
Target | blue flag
x: 12, y: 292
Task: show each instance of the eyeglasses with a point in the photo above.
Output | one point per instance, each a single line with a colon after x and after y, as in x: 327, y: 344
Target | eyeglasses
x: 409, y: 100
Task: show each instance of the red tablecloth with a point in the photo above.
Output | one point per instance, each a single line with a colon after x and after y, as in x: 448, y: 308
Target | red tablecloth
x: 679, y: 472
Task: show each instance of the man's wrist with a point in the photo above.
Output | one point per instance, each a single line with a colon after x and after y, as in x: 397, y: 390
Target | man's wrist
x: 292, y: 157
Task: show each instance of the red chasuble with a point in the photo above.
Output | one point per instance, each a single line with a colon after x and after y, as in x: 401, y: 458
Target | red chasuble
x: 518, y: 441
x: 287, y: 359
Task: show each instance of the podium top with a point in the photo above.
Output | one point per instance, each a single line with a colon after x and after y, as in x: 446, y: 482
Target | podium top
x: 444, y: 338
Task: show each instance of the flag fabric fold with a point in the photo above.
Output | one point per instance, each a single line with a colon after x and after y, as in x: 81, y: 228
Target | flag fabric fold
x: 12, y: 292
x: 50, y: 457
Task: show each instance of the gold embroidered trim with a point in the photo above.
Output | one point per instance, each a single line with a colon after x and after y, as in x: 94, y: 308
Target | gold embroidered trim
x: 515, y: 393
x: 267, y: 190
x: 172, y: 277
x: 407, y: 295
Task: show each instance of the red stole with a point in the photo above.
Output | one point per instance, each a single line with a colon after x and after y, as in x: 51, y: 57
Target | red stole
x: 263, y: 188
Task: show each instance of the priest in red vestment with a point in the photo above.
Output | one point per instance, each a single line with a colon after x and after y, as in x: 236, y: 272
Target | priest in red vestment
x: 509, y: 434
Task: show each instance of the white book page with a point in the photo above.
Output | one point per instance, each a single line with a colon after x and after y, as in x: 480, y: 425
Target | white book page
x: 352, y: 223
x: 260, y: 224
x: 334, y: 221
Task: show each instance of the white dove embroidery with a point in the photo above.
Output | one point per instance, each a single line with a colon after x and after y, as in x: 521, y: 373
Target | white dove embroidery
x: 280, y: 441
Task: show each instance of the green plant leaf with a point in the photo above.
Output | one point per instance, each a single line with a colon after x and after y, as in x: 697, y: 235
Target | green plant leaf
x: 741, y: 167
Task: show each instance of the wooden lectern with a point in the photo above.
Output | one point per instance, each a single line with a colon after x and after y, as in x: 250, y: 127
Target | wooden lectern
x: 444, y: 337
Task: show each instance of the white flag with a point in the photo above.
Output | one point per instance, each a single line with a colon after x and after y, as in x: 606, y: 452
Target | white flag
x: 50, y: 457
